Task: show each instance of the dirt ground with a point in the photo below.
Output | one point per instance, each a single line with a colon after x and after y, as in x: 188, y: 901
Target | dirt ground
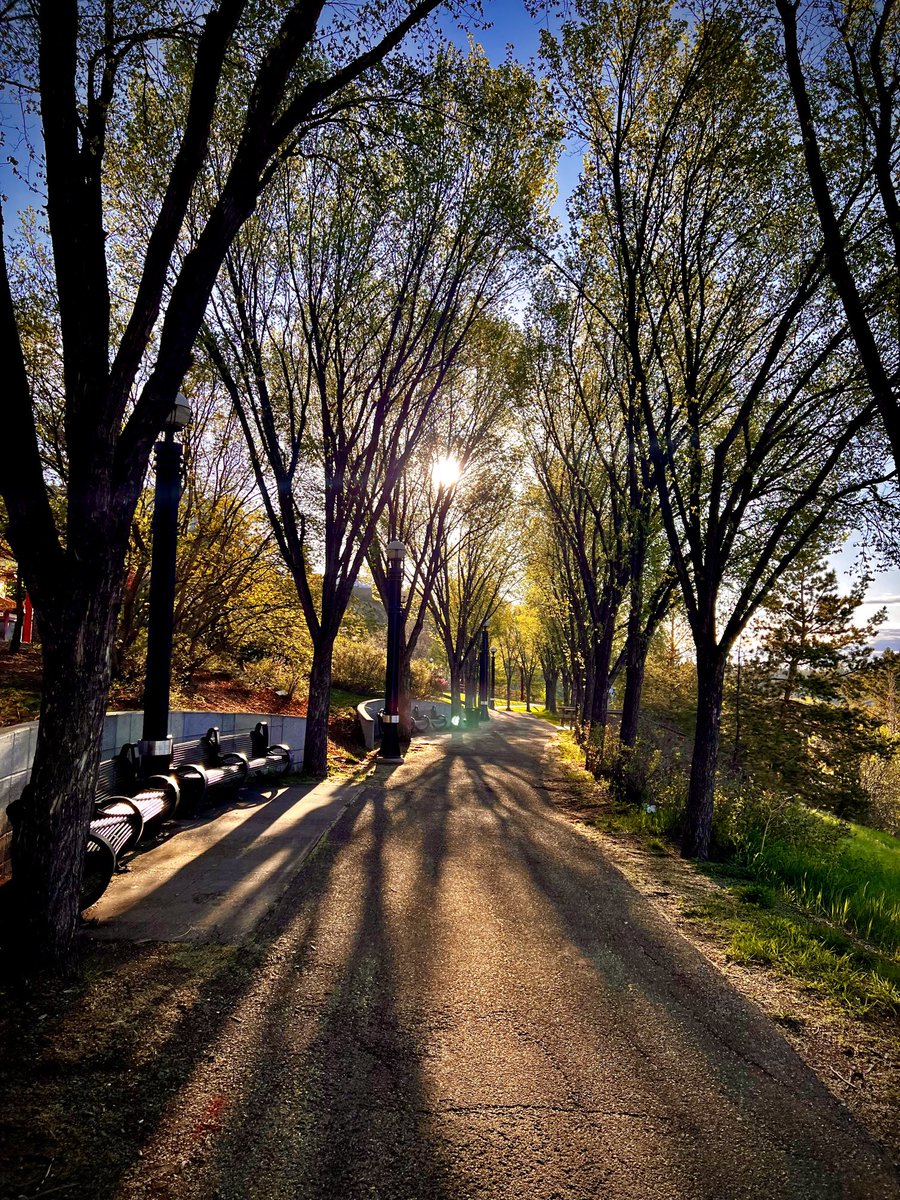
x: 20, y: 692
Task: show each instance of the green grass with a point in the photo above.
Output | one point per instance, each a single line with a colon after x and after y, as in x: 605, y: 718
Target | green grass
x: 825, y: 909
x: 537, y: 710
x: 826, y: 960
x: 341, y: 700
x: 855, y: 884
x: 518, y: 706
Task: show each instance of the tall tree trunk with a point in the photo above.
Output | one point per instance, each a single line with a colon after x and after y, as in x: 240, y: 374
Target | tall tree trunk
x: 635, y: 647
x: 551, y: 679
x: 599, y: 711
x: 631, y: 701
x: 698, y: 816
x: 455, y: 689
x: 471, y: 675
x: 50, y: 821
x: 566, y: 688
x: 315, y: 746
x: 602, y: 659
x: 587, y: 691
x: 406, y: 694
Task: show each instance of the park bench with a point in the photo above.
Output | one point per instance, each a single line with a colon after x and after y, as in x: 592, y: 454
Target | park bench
x: 119, y: 780
x: 567, y: 712
x: 253, y: 746
x: 126, y: 805
x: 216, y: 761
x: 438, y: 720
x: 200, y: 770
x: 124, y: 808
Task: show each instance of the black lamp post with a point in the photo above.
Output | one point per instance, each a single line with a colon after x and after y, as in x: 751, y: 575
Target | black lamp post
x: 483, y: 675
x: 155, y: 748
x: 493, y: 700
x: 390, y: 738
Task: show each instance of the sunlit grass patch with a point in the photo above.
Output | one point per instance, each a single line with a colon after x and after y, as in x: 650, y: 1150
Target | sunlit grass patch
x: 536, y: 710
x: 853, y: 883
x: 866, y: 983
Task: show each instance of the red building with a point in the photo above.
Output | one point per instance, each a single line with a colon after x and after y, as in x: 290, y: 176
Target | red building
x: 8, y: 604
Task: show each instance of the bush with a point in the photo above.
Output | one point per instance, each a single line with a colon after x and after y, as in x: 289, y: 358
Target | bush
x: 358, y: 665
x: 881, y: 780
x: 275, y: 673
x: 424, y: 681
x: 636, y: 771
x: 749, y: 823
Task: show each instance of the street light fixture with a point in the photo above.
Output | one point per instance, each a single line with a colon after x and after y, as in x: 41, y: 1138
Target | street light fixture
x: 390, y: 719
x: 155, y: 747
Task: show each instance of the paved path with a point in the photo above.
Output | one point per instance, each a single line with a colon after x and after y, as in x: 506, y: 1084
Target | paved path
x: 217, y: 876
x: 463, y: 1000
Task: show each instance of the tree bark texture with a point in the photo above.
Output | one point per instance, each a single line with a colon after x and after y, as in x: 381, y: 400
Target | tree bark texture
x: 471, y: 675
x: 50, y: 822
x: 698, y: 817
x: 455, y: 691
x: 631, y: 702
x: 315, y: 746
x: 406, y: 694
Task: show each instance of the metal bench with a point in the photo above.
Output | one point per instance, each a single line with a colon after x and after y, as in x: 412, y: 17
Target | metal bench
x: 126, y: 805
x: 200, y: 769
x: 438, y: 720
x: 253, y: 747
x: 120, y: 819
x: 156, y: 798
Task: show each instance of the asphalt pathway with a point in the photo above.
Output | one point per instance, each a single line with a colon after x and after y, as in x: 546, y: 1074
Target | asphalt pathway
x: 462, y: 999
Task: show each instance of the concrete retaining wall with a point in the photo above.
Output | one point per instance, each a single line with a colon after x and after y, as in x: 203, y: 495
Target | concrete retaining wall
x: 17, y: 745
x: 368, y: 711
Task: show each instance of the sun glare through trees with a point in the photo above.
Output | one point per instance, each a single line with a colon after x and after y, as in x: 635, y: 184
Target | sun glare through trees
x: 559, y: 378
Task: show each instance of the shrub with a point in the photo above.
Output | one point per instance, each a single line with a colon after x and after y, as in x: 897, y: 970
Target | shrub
x: 750, y: 822
x: 424, y: 681
x: 358, y: 665
x: 635, y: 771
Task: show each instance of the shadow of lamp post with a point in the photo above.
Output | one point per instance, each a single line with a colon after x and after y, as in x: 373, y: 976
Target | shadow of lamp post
x: 155, y: 747
x: 390, y: 720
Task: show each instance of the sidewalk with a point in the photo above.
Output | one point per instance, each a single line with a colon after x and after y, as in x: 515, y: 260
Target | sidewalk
x: 218, y: 875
